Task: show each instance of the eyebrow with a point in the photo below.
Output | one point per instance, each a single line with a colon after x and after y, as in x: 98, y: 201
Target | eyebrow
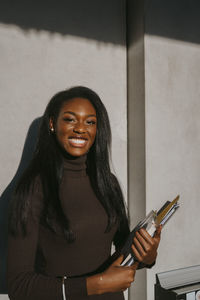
x: 74, y: 114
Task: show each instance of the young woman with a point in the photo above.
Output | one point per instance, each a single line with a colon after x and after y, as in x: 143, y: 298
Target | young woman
x: 68, y: 208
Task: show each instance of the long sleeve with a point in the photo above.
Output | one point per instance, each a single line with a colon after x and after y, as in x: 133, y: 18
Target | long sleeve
x: 24, y: 283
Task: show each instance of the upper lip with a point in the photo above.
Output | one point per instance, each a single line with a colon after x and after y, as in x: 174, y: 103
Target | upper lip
x: 78, y: 137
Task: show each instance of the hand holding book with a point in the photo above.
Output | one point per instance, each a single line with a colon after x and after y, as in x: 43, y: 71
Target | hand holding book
x: 146, y: 241
x: 145, y: 247
x: 140, y: 247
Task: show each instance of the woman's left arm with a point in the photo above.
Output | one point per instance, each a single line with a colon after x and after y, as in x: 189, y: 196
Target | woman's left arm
x: 145, y: 247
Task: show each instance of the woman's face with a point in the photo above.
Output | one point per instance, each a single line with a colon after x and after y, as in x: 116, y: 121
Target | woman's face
x: 76, y: 126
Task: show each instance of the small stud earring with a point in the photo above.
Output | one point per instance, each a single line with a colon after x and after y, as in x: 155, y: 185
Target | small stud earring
x: 52, y: 129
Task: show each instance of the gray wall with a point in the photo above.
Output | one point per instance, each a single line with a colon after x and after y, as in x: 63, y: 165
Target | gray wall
x: 172, y: 89
x: 45, y: 48
x: 171, y: 125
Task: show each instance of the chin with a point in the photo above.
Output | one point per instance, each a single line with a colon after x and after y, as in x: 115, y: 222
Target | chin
x: 76, y: 152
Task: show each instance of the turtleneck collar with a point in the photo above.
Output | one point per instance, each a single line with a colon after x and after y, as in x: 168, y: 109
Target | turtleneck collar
x: 75, y: 166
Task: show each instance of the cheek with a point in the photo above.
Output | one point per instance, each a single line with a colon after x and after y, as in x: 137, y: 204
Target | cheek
x: 62, y: 134
x: 63, y: 130
x: 93, y: 134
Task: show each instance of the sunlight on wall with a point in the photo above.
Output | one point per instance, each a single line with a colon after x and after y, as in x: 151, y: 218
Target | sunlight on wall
x: 173, y: 147
x: 35, y: 65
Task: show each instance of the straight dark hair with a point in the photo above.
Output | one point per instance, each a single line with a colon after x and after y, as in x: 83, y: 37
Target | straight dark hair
x: 46, y: 165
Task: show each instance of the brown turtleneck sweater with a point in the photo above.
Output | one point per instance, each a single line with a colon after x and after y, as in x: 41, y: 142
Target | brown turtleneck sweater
x: 37, y: 260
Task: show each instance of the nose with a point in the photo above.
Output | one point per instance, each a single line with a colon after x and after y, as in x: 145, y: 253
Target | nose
x: 79, y: 128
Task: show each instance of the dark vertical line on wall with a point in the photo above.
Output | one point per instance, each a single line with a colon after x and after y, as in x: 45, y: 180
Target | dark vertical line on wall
x: 146, y: 2
x: 127, y: 109
x: 136, y: 126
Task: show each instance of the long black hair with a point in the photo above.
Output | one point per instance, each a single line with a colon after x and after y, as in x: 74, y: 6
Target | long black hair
x: 47, y: 165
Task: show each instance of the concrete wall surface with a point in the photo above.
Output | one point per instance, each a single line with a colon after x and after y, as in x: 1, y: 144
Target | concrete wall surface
x: 164, y: 127
x: 173, y: 148
x: 172, y: 126
x: 46, y: 48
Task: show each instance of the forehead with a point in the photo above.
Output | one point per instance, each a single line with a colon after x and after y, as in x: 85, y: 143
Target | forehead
x: 78, y: 106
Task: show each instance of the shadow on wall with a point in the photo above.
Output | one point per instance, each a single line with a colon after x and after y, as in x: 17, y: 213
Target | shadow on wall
x: 100, y: 20
x: 104, y: 20
x: 173, y: 19
x: 29, y: 147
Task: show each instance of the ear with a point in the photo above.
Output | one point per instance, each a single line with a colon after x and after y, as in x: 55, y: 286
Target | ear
x: 51, y: 127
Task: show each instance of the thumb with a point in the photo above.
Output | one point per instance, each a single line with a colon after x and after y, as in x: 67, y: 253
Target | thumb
x: 135, y: 265
x: 158, y: 231
x: 118, y: 261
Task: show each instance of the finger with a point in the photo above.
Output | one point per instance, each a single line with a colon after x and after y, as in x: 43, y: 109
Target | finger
x: 157, y: 236
x: 144, y: 243
x: 136, y: 253
x: 118, y: 261
x: 146, y: 235
x: 139, y: 247
x: 157, y: 239
x: 158, y: 231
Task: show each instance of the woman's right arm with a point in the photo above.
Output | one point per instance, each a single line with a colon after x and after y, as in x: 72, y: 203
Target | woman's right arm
x: 25, y: 284
x: 23, y: 281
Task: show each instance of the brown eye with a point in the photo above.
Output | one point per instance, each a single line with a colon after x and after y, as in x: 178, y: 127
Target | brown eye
x: 91, y: 122
x: 69, y: 120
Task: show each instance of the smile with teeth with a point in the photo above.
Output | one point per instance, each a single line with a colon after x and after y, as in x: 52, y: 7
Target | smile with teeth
x: 77, y: 142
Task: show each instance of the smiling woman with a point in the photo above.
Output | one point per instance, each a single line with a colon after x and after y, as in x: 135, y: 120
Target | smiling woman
x: 68, y: 209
